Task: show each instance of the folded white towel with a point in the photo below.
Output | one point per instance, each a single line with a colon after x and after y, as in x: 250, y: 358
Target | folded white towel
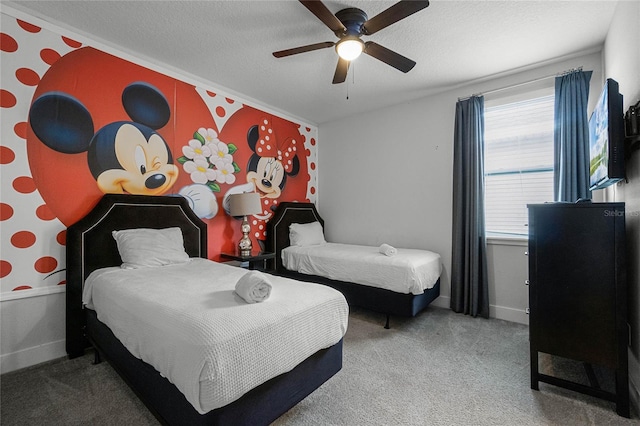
x: 254, y: 287
x: 388, y: 250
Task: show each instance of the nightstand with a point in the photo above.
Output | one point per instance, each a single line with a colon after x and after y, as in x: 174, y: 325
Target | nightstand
x: 256, y: 260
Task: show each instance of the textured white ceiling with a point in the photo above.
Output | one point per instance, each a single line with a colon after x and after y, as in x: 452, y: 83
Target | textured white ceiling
x: 230, y: 43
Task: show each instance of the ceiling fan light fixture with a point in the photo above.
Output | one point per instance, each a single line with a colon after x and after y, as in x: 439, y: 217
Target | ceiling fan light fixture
x: 351, y: 23
x: 349, y: 48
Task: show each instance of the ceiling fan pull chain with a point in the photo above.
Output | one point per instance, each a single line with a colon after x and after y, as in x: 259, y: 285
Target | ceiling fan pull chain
x: 347, y: 89
x: 353, y: 74
x: 353, y: 78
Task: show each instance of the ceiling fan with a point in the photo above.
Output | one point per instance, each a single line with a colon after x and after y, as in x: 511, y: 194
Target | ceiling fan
x: 349, y: 25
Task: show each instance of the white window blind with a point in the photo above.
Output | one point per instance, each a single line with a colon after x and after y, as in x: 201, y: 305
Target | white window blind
x: 518, y: 162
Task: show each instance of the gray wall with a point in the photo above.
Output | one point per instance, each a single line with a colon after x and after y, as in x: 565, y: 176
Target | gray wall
x: 386, y: 176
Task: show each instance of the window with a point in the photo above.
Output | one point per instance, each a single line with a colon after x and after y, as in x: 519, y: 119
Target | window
x: 518, y: 162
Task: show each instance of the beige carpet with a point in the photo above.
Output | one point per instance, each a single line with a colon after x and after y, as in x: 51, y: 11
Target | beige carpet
x: 439, y: 368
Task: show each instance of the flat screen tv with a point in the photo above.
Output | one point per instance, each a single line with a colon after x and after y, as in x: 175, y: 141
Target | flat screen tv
x: 606, y: 138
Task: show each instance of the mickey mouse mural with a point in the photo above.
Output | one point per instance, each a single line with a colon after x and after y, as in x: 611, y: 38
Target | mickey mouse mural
x: 123, y: 156
x: 100, y: 124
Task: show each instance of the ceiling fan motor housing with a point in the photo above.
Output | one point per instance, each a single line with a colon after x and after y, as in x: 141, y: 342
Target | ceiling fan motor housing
x: 353, y: 19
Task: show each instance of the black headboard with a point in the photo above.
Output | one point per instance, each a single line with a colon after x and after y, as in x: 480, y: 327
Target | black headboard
x: 278, y: 226
x: 90, y: 245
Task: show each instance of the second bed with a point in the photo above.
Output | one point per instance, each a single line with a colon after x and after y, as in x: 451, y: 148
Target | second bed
x: 401, y: 284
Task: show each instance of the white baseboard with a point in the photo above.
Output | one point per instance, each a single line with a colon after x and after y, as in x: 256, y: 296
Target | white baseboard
x: 498, y: 312
x: 509, y: 314
x: 32, y: 356
x: 442, y: 302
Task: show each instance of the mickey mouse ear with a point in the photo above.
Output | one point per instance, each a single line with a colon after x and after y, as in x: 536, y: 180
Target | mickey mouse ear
x: 61, y: 122
x: 146, y: 105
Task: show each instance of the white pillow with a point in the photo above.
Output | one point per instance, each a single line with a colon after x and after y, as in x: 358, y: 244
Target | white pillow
x: 306, y: 234
x: 145, y: 247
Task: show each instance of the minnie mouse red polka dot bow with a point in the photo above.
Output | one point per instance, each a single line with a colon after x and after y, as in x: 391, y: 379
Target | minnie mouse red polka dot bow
x: 269, y: 145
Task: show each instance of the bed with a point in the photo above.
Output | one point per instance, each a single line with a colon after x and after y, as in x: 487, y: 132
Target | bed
x: 93, y: 253
x: 394, y: 300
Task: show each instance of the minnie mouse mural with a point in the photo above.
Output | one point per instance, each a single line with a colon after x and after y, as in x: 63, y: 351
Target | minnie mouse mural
x: 272, y: 161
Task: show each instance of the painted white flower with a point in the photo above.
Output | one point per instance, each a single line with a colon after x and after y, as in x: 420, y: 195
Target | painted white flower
x: 224, y: 172
x: 195, y: 149
x: 199, y: 170
x: 209, y: 135
x: 220, y: 152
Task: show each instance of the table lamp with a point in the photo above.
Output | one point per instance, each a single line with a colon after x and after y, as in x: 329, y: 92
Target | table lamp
x: 244, y: 204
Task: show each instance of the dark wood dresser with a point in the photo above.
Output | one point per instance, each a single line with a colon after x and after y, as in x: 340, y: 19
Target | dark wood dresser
x: 578, y: 293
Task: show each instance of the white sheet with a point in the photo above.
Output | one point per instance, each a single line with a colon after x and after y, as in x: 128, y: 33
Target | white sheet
x: 186, y: 321
x: 409, y: 271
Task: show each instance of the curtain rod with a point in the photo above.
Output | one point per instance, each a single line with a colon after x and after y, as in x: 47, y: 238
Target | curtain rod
x: 560, y: 74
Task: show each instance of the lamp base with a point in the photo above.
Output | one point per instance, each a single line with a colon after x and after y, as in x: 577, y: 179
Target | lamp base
x: 244, y: 245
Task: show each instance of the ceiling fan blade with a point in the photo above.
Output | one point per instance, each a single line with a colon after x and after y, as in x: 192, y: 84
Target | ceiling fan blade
x: 398, y: 11
x: 322, y: 13
x: 341, y: 71
x: 389, y: 57
x: 302, y: 49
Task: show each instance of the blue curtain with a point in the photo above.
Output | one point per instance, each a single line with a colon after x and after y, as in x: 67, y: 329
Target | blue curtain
x: 469, y: 283
x: 571, y: 137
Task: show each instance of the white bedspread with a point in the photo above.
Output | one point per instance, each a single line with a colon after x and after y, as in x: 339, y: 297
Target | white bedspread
x: 186, y: 321
x: 409, y: 271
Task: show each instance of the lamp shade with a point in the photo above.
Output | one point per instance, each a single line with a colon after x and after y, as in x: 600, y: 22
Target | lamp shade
x: 244, y: 204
